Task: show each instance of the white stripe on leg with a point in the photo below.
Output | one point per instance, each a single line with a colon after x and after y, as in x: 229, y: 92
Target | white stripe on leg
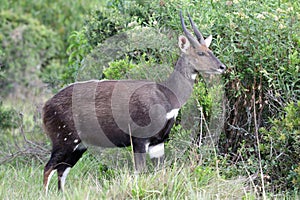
x: 48, y: 180
x: 63, y: 178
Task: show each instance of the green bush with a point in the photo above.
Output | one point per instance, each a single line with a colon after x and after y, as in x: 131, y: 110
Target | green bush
x: 263, y: 78
x: 280, y: 149
x: 28, y: 47
x: 116, y: 18
x: 118, y: 69
x: 9, y: 118
x: 62, y: 16
x: 265, y: 69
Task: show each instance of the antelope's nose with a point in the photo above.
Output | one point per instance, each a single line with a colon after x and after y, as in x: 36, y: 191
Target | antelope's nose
x: 222, y: 67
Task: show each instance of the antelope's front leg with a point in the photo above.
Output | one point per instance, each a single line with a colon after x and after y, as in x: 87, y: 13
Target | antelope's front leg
x: 140, y: 149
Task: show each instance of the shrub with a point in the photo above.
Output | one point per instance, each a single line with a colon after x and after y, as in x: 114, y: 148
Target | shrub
x: 281, y: 149
x: 28, y: 46
x: 116, y: 18
x: 62, y: 16
x: 118, y: 69
x: 9, y: 118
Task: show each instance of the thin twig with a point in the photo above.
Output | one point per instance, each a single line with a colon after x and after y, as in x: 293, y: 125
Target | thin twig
x: 201, y: 124
x: 131, y: 143
x: 257, y: 140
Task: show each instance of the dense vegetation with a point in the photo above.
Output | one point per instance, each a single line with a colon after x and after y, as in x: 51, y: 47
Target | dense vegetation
x: 239, y: 133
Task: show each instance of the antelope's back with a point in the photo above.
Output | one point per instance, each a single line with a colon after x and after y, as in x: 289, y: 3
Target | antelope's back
x: 104, y: 113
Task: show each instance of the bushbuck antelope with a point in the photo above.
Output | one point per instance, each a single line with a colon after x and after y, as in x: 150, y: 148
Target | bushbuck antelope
x: 111, y: 113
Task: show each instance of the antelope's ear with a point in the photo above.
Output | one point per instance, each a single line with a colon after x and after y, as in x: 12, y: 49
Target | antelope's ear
x: 208, y: 41
x: 183, y: 43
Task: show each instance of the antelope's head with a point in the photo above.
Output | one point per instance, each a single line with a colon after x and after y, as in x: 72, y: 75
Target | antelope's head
x: 200, y: 57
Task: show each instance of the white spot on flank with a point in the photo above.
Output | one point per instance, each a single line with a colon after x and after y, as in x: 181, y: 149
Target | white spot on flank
x: 54, y: 113
x: 64, y: 126
x: 59, y: 127
x: 63, y: 178
x: 76, y: 140
x: 65, y: 139
x: 57, y: 135
x: 75, y: 147
x: 194, y: 76
x: 173, y: 113
x: 49, y: 178
x: 79, y: 146
x: 70, y: 133
x: 157, y: 151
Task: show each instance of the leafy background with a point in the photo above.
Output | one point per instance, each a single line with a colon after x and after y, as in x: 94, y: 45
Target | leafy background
x: 45, y: 45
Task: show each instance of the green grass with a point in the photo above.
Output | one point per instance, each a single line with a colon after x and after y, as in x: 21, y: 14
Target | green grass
x: 87, y: 181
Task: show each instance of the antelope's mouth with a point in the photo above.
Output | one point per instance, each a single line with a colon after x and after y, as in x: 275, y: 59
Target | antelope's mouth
x: 220, y: 71
x: 214, y: 71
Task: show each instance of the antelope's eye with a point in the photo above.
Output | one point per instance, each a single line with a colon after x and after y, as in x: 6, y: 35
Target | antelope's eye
x: 200, y: 53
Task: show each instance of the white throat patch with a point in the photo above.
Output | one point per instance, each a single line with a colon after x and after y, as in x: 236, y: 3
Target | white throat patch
x: 194, y: 76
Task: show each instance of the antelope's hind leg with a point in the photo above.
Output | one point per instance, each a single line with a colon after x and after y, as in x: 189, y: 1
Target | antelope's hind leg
x: 51, y: 166
x: 62, y: 161
x: 48, y: 173
x: 64, y: 168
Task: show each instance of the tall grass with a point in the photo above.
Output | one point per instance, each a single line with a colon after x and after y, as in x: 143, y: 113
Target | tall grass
x: 88, y: 181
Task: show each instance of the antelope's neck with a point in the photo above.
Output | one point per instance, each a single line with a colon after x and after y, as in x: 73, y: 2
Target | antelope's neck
x: 181, y: 80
